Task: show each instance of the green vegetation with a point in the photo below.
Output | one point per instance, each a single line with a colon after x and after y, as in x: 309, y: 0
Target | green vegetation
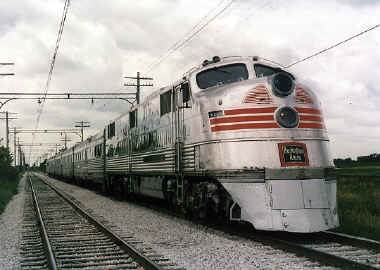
x: 9, y: 178
x: 7, y: 189
x: 359, y: 195
x: 359, y: 201
x: 372, y: 160
x: 361, y: 171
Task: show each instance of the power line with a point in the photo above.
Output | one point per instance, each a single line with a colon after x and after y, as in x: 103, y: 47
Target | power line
x: 186, y: 34
x: 7, y: 73
x: 181, y: 44
x: 41, y: 97
x: 52, y: 63
x: 334, y: 45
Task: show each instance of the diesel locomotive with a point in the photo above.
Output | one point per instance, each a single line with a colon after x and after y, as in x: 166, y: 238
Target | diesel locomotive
x: 236, y: 139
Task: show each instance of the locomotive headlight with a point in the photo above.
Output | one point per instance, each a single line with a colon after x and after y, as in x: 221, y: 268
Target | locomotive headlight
x: 287, y: 117
x: 282, y: 84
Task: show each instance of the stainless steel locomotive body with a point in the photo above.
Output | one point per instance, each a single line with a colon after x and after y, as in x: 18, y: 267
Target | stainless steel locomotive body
x: 235, y: 137
x: 278, y: 174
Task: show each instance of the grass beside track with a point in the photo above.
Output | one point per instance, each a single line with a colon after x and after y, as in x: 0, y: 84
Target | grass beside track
x: 360, y: 171
x: 8, y: 187
x: 359, y: 205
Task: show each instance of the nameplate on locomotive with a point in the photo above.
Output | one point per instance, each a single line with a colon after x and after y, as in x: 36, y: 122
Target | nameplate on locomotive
x: 293, y: 154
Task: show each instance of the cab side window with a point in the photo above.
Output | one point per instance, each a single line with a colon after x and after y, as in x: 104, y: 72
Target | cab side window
x: 166, y: 102
x: 133, y: 119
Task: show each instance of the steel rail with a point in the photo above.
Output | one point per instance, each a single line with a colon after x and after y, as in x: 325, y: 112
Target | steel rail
x: 49, y: 251
x: 352, y: 240
x: 280, y: 241
x: 143, y: 260
x: 318, y: 255
x: 313, y: 254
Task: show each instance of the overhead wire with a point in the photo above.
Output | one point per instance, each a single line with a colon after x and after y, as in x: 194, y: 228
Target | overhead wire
x: 51, y: 67
x: 179, y: 44
x: 333, y: 46
x: 186, y: 34
x: 194, y: 27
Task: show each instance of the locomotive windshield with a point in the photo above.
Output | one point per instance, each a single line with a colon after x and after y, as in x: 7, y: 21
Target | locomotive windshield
x: 222, y: 75
x: 264, y: 71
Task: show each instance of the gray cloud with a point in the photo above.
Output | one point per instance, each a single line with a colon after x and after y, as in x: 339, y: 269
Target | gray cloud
x: 104, y: 40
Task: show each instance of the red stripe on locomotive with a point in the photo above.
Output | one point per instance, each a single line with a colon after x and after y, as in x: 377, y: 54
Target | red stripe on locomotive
x: 250, y: 110
x: 244, y: 126
x: 238, y: 119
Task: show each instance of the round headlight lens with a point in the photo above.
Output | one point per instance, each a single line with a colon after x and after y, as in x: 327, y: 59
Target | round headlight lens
x: 287, y: 117
x: 282, y: 84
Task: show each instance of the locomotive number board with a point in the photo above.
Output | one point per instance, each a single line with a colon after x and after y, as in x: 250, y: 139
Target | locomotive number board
x: 293, y: 154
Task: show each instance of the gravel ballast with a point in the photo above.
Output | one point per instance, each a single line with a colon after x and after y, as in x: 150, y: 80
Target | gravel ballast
x: 10, y: 230
x: 187, y: 244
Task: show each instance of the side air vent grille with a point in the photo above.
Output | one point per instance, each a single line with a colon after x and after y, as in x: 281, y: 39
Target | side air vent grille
x: 303, y: 97
x: 258, y: 95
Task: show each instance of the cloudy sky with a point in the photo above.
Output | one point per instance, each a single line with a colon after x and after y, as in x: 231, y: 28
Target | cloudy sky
x: 106, y: 40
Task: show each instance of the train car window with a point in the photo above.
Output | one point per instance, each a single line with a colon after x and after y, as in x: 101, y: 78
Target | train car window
x: 133, y: 119
x: 111, y: 130
x: 222, y: 75
x: 166, y: 102
x: 264, y: 71
x: 98, y: 150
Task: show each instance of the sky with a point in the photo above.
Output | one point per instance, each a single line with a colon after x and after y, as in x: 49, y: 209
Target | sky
x: 106, y: 40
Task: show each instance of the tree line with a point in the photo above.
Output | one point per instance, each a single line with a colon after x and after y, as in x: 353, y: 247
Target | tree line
x: 7, y: 171
x: 370, y: 160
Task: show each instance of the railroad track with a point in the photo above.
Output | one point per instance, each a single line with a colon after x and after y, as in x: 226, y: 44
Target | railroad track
x: 326, y: 248
x: 59, y: 234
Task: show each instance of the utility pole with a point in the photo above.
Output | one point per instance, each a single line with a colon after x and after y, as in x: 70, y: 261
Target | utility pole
x: 19, y: 150
x: 138, y: 84
x: 7, y: 128
x: 7, y: 118
x: 14, y: 146
x: 65, y: 140
x: 82, y: 125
